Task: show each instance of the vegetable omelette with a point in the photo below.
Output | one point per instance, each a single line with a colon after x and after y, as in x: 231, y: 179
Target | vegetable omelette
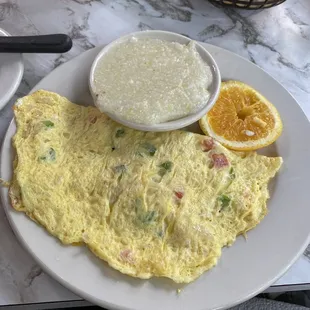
x: 149, y: 204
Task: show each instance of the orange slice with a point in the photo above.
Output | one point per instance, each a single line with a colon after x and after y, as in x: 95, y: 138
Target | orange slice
x: 242, y: 119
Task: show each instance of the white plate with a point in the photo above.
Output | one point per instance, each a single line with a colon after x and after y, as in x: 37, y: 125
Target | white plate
x: 244, y: 269
x: 11, y: 73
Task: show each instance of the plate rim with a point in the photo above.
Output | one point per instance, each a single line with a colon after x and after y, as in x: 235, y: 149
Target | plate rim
x: 92, y: 298
x: 18, y: 76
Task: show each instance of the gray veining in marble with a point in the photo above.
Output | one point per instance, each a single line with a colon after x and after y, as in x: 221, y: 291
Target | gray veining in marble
x: 278, y: 40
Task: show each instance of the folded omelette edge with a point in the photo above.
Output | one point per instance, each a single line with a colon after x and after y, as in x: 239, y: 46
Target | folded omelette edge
x: 149, y: 204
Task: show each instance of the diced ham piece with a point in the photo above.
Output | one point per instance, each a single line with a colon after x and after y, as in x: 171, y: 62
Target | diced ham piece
x: 207, y: 144
x: 219, y: 160
x: 127, y: 255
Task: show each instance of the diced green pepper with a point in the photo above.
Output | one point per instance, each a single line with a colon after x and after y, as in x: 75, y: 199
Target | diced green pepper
x: 148, y: 217
x: 232, y: 173
x: 50, y: 155
x: 144, y: 217
x: 160, y: 234
x: 149, y: 148
x: 121, y: 169
x: 225, y: 201
x: 120, y: 133
x: 48, y: 124
x: 165, y: 167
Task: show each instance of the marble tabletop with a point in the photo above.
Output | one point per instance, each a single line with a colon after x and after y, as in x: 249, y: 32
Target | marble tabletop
x: 277, y: 39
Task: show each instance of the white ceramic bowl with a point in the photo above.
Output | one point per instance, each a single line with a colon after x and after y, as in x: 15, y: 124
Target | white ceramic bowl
x: 170, y: 37
x: 11, y: 73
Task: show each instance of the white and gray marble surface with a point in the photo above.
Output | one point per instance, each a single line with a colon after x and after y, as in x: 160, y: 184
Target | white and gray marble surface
x: 277, y: 39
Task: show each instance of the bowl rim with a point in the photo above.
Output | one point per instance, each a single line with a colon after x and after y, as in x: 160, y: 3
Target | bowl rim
x: 18, y: 75
x: 173, y: 124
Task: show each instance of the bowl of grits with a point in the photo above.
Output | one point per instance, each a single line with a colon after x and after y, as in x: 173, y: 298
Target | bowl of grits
x: 154, y: 81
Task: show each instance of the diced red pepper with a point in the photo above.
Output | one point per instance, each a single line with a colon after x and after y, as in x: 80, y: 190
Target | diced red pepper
x: 179, y: 194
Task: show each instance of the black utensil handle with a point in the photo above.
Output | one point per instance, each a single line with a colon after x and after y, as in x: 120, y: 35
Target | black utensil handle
x: 52, y: 43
